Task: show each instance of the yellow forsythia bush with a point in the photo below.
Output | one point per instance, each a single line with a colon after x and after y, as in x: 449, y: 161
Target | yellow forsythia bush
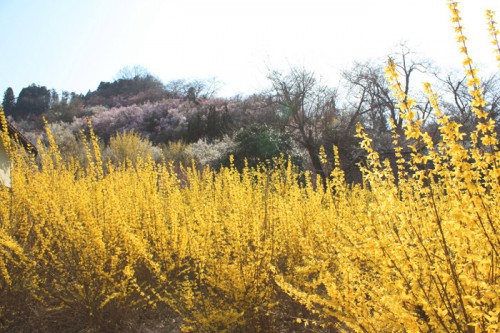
x: 415, y: 251
x: 143, y: 246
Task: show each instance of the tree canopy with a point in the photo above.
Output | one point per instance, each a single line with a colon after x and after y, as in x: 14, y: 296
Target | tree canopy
x: 32, y: 100
x: 9, y: 101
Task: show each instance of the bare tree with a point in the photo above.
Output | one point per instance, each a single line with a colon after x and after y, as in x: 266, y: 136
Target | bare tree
x: 194, y: 89
x: 370, y: 100
x: 457, y: 99
x: 304, y: 105
x: 132, y: 72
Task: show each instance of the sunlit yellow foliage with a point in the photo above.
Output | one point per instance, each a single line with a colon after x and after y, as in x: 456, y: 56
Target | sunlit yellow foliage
x: 103, y: 246
x: 128, y: 146
x: 493, y: 30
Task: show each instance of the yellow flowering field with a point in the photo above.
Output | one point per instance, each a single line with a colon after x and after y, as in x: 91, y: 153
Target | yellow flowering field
x: 415, y: 248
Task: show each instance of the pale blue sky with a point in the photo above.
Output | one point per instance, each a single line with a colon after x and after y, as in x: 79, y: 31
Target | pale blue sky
x: 74, y: 44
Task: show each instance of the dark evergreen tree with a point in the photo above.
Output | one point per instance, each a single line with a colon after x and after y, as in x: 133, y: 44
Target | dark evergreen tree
x: 213, y: 128
x: 196, y: 127
x: 9, y: 101
x: 32, y: 100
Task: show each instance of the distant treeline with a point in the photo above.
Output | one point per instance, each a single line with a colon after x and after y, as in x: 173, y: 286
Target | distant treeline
x: 295, y: 116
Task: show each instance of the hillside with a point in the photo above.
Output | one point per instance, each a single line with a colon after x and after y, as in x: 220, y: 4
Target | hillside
x: 296, y: 115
